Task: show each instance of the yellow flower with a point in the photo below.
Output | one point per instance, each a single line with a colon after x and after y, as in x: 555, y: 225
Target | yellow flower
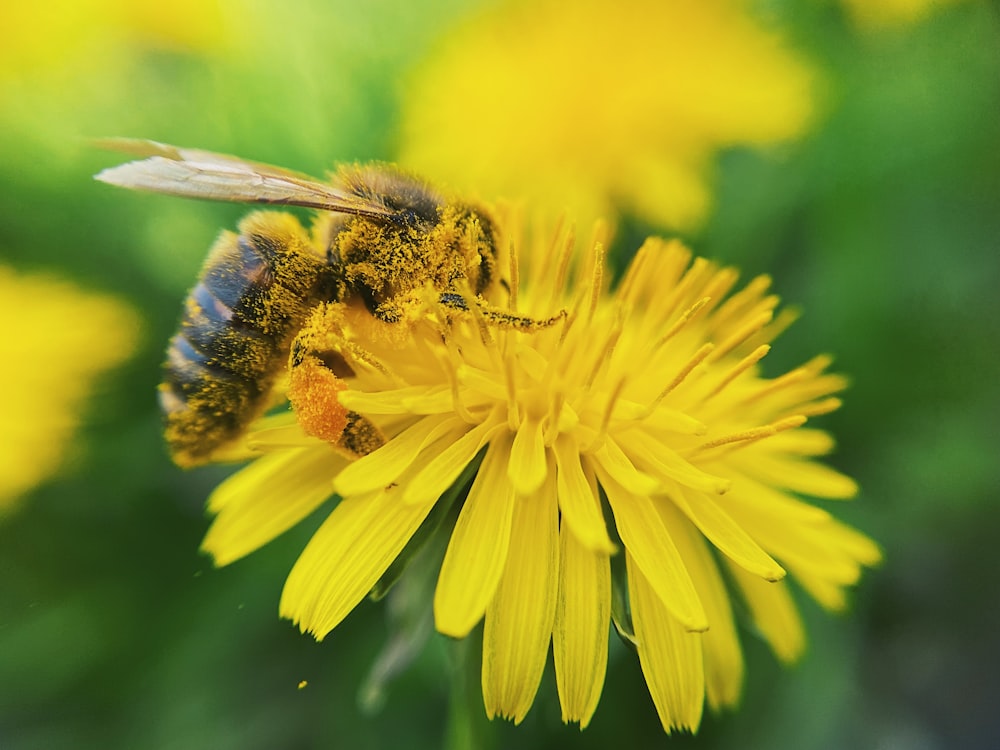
x: 619, y: 459
x: 607, y: 107
x: 68, y: 33
x: 59, y: 339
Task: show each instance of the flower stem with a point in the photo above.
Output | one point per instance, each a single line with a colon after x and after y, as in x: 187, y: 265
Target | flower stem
x: 468, y: 727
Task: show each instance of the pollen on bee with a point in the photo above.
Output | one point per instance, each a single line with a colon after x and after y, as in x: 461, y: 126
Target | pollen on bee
x: 313, y: 392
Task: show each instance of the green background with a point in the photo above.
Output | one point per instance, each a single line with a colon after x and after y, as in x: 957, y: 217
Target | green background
x: 883, y: 225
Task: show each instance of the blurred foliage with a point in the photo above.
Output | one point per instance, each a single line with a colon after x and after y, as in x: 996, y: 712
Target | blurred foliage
x: 883, y: 224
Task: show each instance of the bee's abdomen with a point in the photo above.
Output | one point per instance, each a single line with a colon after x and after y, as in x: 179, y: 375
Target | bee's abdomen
x: 226, y: 338
x: 254, y: 293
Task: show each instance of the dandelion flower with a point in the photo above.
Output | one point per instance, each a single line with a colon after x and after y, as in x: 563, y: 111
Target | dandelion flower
x: 86, y: 333
x: 619, y: 460
x: 68, y: 33
x: 609, y: 107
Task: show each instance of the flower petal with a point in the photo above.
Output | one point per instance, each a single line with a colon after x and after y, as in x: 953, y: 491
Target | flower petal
x: 799, y: 475
x: 659, y: 460
x: 667, y: 420
x: 478, y: 548
x: 802, y: 441
x: 519, y: 617
x: 731, y: 538
x: 578, y: 501
x: 528, y: 466
x: 267, y: 498
x: 620, y: 468
x: 763, y: 498
x: 670, y: 656
x: 857, y: 545
x: 649, y: 543
x: 830, y: 595
x: 274, y: 431
x: 383, y: 466
x: 441, y: 471
x: 411, y: 400
x: 580, y: 633
x: 720, y: 643
x: 816, y: 548
x: 774, y: 613
x: 346, y: 556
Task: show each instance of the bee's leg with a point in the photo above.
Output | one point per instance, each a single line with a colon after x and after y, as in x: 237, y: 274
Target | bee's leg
x: 498, y: 316
x: 313, y: 391
x: 315, y: 382
x: 360, y: 437
x: 388, y: 312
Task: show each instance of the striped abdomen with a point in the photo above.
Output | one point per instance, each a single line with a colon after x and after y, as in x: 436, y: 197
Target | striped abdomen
x: 255, y: 291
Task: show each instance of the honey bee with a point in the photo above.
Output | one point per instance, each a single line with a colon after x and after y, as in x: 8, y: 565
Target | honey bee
x: 383, y: 237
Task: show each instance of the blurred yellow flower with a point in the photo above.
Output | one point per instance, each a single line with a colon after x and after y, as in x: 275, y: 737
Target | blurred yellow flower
x: 645, y: 405
x: 593, y: 108
x: 59, y: 338
x: 50, y: 35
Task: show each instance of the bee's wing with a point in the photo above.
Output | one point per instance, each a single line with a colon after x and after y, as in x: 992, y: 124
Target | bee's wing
x: 202, y: 174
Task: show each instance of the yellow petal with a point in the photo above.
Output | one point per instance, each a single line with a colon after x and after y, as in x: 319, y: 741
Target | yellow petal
x: 799, y: 475
x: 802, y: 441
x: 418, y: 399
x: 668, y: 421
x: 578, y: 501
x: 653, y: 457
x: 441, y: 471
x: 383, y: 466
x: 830, y: 595
x: 280, y: 430
x: 527, y: 467
x: 649, y: 543
x: 774, y: 613
x: 670, y: 656
x: 580, y: 633
x: 267, y: 498
x: 720, y: 643
x: 481, y: 381
x: 346, y: 556
x: 519, y: 617
x: 857, y: 545
x: 477, y: 551
x: 731, y: 538
x: 619, y: 467
x: 763, y: 498
x: 812, y: 547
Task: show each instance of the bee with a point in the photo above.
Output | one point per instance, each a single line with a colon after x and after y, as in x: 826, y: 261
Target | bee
x: 382, y: 237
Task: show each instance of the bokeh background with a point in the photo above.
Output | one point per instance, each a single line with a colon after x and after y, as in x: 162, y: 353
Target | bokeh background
x: 874, y: 205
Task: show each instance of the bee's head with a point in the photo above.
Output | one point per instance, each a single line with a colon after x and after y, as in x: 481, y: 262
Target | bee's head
x: 426, y: 242
x: 413, y: 202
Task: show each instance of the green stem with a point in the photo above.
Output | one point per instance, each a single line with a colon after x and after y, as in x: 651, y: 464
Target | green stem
x: 468, y: 727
